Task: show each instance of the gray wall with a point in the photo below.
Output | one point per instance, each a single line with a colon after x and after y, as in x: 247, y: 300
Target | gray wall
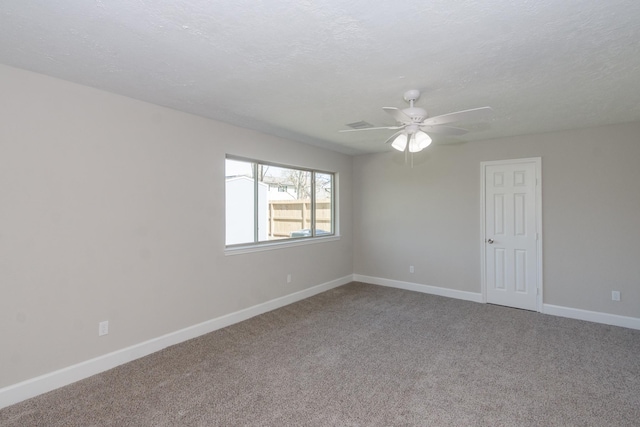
x: 111, y: 208
x: 429, y: 215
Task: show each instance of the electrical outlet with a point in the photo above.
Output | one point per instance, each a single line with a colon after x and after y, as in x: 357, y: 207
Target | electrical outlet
x: 103, y: 328
x: 615, y: 295
x: 411, y: 270
x: 289, y: 278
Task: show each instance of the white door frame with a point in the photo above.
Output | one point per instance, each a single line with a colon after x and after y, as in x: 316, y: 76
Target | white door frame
x: 483, y: 237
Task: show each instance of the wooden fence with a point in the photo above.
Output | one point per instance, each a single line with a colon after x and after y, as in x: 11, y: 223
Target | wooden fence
x: 287, y: 216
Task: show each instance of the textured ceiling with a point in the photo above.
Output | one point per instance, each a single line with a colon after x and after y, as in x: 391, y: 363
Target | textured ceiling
x: 303, y: 69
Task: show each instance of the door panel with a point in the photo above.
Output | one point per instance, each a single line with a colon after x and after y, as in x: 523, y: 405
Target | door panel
x: 511, y: 234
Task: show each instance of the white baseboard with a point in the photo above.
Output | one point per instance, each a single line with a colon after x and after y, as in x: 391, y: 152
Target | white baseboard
x: 30, y: 388
x: 554, y: 310
x: 426, y: 289
x: 26, y: 389
x: 592, y: 316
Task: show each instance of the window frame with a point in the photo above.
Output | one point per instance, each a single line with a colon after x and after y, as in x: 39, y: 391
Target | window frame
x: 256, y: 244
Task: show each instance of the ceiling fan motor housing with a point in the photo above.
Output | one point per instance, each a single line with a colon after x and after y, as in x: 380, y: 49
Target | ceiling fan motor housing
x: 416, y: 114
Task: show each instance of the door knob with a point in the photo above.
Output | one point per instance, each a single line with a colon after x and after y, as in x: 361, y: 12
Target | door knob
x: 490, y: 241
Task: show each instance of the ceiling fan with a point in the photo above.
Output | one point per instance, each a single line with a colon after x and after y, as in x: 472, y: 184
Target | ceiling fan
x: 414, y: 126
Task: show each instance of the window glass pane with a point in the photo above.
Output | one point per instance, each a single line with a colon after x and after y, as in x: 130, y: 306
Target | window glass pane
x: 239, y: 202
x: 288, y: 203
x: 324, y: 202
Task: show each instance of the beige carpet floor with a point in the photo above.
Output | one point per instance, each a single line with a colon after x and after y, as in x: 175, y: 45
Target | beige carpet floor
x: 364, y: 355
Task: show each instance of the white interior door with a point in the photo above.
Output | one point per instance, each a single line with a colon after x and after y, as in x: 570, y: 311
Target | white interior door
x: 512, y: 247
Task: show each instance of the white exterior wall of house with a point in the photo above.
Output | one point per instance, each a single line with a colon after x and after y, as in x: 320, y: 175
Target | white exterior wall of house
x: 239, y: 210
x: 276, y: 194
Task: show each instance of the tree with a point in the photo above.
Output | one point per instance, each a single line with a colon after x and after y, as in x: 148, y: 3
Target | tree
x: 262, y: 172
x: 301, y: 181
x: 324, y: 185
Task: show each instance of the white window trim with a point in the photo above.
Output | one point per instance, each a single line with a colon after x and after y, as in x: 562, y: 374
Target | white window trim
x: 269, y: 246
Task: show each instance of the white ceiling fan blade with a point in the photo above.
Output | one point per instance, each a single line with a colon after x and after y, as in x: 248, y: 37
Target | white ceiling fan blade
x: 474, y: 114
x: 377, y: 128
x: 444, y: 130
x: 397, y: 114
x: 392, y: 137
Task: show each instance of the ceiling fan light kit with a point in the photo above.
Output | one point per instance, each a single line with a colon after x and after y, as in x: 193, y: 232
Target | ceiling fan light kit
x: 400, y: 143
x: 418, y: 141
x: 415, y: 126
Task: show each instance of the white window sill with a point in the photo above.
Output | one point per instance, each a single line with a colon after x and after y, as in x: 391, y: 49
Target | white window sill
x: 270, y: 246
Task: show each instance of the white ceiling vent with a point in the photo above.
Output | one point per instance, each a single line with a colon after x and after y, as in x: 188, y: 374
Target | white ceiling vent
x: 359, y: 125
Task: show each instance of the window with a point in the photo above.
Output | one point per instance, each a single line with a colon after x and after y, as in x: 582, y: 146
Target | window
x: 301, y: 207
